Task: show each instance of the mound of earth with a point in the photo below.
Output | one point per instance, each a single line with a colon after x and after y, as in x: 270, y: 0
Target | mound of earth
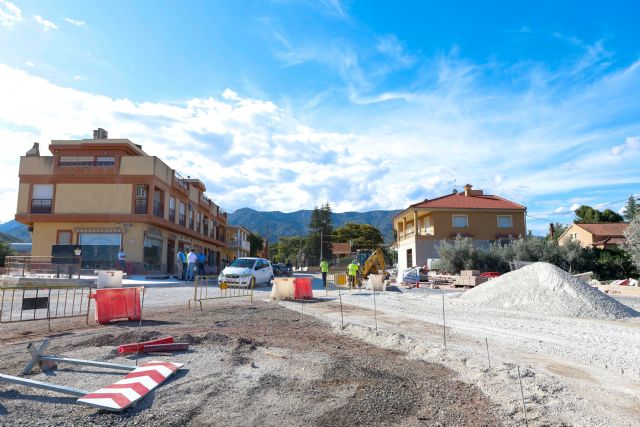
x: 543, y: 288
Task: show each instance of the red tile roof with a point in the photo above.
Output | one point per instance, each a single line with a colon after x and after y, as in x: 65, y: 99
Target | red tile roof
x: 460, y: 201
x: 612, y: 229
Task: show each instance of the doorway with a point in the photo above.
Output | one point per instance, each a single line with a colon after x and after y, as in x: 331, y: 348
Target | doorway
x: 409, y: 258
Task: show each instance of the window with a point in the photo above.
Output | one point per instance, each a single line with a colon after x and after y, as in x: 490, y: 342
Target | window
x: 64, y: 237
x: 205, y: 226
x: 158, y: 209
x: 105, y: 161
x: 152, y: 254
x: 41, y: 198
x: 101, y: 239
x: 190, y: 216
x: 198, y: 221
x: 172, y: 209
x: 460, y: 221
x: 505, y: 221
x: 141, y: 199
x: 182, y: 219
x: 78, y: 161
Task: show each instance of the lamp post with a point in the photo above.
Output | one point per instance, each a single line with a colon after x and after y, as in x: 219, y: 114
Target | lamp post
x: 78, y: 253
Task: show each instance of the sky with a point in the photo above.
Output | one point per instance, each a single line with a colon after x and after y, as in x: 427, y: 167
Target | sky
x: 285, y: 105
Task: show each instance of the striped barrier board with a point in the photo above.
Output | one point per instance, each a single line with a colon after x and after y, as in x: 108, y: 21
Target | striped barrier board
x: 132, y: 388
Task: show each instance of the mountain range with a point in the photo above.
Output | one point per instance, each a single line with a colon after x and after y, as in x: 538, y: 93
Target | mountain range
x: 279, y: 223
x: 13, y: 231
x: 285, y: 224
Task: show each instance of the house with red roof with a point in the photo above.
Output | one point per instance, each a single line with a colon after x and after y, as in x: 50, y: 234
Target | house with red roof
x: 471, y: 213
x: 605, y: 235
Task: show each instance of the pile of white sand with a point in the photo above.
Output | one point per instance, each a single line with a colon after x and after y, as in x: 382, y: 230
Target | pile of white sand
x: 545, y: 289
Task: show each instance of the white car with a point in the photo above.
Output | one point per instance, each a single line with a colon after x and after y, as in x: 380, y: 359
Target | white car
x: 259, y: 269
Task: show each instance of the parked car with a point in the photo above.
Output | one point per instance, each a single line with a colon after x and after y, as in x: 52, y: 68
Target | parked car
x: 282, y: 270
x: 259, y: 269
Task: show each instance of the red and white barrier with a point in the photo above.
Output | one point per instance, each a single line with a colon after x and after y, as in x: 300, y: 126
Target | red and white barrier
x: 131, y: 388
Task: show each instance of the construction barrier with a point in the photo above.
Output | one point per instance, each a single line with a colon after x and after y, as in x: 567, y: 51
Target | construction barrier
x: 31, y: 302
x: 42, y: 266
x: 337, y: 281
x: 209, y: 288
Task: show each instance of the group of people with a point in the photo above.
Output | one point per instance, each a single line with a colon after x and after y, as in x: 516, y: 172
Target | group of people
x: 352, y: 270
x: 190, y: 264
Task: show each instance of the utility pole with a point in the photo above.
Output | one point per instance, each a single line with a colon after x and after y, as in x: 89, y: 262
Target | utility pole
x: 321, y: 234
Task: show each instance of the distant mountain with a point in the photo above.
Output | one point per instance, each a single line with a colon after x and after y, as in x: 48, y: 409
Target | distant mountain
x: 296, y: 223
x: 16, y: 230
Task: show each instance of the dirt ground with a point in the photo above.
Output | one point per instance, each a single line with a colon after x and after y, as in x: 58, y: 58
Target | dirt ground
x: 249, y: 364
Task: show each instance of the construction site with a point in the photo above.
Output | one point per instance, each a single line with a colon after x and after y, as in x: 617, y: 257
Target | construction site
x: 536, y: 346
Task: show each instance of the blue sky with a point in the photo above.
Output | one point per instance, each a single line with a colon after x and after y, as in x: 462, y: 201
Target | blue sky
x: 282, y: 105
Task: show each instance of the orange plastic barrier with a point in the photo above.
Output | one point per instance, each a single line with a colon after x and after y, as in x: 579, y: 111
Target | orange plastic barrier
x: 117, y: 303
x: 302, y: 288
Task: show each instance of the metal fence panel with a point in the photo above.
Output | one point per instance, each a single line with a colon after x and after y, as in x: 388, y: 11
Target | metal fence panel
x: 29, y: 303
x: 208, y: 288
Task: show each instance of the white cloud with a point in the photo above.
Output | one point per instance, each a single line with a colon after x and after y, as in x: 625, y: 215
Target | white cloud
x: 46, y: 24
x: 76, y: 22
x: 574, y: 207
x: 10, y: 14
x: 30, y: 64
x: 78, y: 77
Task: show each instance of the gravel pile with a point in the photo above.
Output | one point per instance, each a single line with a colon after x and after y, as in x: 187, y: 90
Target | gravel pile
x: 545, y: 289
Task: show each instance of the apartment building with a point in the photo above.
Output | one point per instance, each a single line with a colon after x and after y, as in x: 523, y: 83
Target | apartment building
x: 237, y: 242
x: 484, y: 218
x: 102, y: 194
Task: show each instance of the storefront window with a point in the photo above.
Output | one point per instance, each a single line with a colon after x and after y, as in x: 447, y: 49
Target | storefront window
x: 152, y: 254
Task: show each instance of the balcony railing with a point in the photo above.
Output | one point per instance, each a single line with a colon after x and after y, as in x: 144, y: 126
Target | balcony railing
x: 180, y: 182
x: 141, y: 206
x: 41, y: 206
x: 205, y: 230
x: 183, y: 220
x: 157, y: 209
x: 172, y: 215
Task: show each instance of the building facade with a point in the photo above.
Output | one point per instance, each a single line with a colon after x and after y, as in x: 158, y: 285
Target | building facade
x: 237, y: 243
x: 103, y: 194
x: 602, y: 236
x: 484, y: 218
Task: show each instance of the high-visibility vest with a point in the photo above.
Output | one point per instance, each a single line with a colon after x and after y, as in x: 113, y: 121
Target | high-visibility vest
x: 353, y: 269
x: 324, y: 266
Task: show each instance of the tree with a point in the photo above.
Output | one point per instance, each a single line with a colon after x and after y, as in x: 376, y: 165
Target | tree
x: 588, y: 215
x: 320, y: 231
x: 288, y: 249
x: 256, y: 243
x: 630, y: 209
x: 361, y: 236
x: 632, y: 241
x: 5, y: 251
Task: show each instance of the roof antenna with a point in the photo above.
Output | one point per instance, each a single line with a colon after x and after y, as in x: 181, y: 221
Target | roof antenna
x: 455, y: 190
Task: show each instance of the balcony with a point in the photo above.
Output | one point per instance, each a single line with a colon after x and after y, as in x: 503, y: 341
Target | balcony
x: 205, y: 201
x: 180, y: 183
x: 41, y: 206
x: 141, y: 206
x: 238, y: 244
x: 172, y: 215
x: 158, y: 209
x: 182, y: 220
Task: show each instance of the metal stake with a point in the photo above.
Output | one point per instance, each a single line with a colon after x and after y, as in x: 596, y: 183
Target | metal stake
x: 486, y: 341
x: 375, y: 309
x: 341, y: 313
x: 139, y: 328
x: 444, y: 330
x: 526, y: 421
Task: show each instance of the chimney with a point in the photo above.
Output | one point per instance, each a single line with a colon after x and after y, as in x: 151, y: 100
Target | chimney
x: 34, y: 151
x: 467, y: 189
x: 100, y: 134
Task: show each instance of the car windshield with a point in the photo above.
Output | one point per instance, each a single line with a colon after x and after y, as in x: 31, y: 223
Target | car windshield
x: 243, y: 263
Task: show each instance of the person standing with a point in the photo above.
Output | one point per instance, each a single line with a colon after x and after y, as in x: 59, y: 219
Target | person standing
x: 182, y: 265
x: 192, y: 258
x: 353, y: 272
x: 202, y: 260
x: 324, y: 268
x: 122, y: 260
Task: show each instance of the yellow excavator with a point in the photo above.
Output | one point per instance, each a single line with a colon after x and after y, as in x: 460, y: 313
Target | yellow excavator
x: 374, y: 264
